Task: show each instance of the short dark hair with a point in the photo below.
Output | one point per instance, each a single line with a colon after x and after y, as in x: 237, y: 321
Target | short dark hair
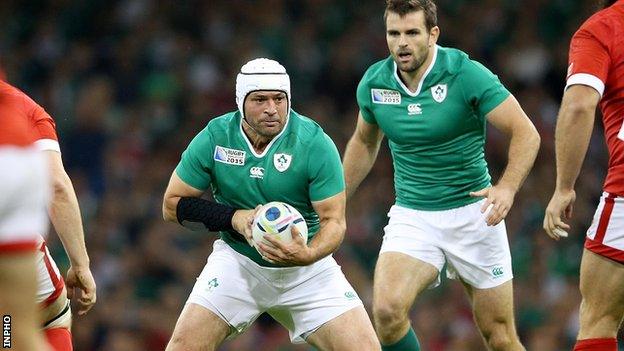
x: 403, y: 7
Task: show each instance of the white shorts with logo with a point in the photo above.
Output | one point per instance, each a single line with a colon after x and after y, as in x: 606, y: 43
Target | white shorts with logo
x: 459, y: 237
x: 302, y: 299
x: 605, y: 236
x: 23, y: 200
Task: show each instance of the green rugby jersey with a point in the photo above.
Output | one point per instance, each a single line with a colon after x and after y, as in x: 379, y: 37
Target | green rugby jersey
x: 436, y: 134
x: 300, y: 165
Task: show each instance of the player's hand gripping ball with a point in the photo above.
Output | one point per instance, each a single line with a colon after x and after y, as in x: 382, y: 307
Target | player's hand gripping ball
x: 276, y: 219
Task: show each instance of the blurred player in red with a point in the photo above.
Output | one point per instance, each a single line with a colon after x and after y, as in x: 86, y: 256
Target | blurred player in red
x: 595, y: 75
x: 52, y: 295
x: 24, y: 189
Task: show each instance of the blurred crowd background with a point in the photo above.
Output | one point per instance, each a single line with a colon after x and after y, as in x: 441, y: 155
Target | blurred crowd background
x: 130, y: 82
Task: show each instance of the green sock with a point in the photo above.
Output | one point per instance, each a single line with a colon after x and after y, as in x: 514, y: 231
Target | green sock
x: 407, y: 343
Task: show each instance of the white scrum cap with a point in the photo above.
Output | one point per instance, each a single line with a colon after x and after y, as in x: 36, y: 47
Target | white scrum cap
x: 261, y: 74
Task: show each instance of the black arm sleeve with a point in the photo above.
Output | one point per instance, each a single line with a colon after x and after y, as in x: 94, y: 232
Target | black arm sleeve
x: 196, y: 214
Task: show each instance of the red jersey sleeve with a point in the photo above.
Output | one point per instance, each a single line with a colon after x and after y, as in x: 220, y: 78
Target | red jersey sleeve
x: 589, y: 58
x: 44, y: 126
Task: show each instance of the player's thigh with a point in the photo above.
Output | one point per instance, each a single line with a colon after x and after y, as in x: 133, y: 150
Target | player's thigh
x: 601, y: 285
x: 18, y: 281
x: 476, y: 253
x: 492, y: 307
x: 17, y: 296
x: 232, y: 288
x: 399, y: 278
x: 410, y: 258
x: 311, y: 297
x: 198, y: 329
x: 351, y: 330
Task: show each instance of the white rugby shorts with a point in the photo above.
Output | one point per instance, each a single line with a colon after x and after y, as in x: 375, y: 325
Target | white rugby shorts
x: 459, y: 237
x: 302, y: 299
x: 605, y: 236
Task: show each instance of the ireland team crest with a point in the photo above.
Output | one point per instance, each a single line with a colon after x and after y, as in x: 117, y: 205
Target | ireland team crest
x: 438, y: 92
x: 281, y: 161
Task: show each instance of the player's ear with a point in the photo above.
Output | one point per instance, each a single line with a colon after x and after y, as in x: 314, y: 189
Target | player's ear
x: 434, y: 34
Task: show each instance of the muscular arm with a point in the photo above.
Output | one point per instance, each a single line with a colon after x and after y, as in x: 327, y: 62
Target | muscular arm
x: 361, y: 153
x: 573, y: 132
x: 65, y: 213
x: 333, y: 225
x: 177, y: 189
x: 572, y: 135
x: 65, y: 216
x: 509, y: 118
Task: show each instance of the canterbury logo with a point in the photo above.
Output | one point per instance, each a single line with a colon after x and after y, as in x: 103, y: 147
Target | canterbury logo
x: 497, y: 272
x: 256, y: 172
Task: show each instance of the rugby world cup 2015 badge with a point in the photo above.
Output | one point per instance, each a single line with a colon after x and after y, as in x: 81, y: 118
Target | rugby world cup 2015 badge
x: 281, y: 161
x: 229, y: 156
x: 438, y: 92
x: 386, y: 97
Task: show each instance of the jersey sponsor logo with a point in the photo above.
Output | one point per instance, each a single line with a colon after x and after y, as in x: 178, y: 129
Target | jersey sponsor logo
x: 414, y: 109
x: 229, y: 156
x: 281, y: 161
x: 438, y: 92
x: 256, y: 172
x: 386, y: 97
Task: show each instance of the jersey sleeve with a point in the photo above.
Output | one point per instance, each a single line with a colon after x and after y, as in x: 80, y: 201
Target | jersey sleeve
x: 44, y: 131
x: 482, y: 88
x: 364, y: 101
x: 325, y: 169
x: 589, y: 58
x: 196, y: 162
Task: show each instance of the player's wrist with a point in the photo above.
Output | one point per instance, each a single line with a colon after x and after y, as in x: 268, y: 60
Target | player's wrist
x: 509, y: 186
x: 81, y: 262
x: 240, y: 218
x: 564, y: 188
x: 80, y: 265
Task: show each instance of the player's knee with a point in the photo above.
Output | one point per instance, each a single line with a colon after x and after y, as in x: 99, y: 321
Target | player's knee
x: 388, y: 315
x: 188, y: 341
x: 597, y: 317
x: 180, y: 343
x: 499, y: 341
x: 499, y: 336
x: 368, y: 343
x: 177, y: 344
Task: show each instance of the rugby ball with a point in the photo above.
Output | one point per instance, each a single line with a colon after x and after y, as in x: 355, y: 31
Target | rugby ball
x: 275, y: 219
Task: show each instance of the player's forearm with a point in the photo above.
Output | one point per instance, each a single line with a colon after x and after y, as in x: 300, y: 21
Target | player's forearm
x: 523, y: 148
x: 328, y: 238
x: 572, y: 135
x: 358, y: 160
x: 65, y: 216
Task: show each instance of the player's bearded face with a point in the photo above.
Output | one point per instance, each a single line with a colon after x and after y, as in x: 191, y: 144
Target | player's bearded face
x: 266, y: 112
x: 408, y: 39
